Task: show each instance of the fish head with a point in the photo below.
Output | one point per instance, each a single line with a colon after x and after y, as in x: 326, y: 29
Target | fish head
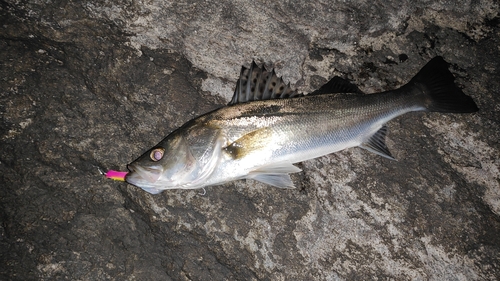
x: 168, y: 165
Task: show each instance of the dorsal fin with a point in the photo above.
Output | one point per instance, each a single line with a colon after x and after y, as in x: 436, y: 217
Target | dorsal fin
x: 256, y: 83
x: 337, y: 85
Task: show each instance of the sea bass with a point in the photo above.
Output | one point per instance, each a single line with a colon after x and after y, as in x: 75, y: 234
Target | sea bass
x: 268, y: 126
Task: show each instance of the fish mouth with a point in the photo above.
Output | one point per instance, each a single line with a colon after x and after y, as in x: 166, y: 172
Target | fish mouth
x: 139, y: 175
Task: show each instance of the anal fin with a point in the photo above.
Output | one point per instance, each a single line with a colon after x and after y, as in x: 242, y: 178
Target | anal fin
x: 376, y: 144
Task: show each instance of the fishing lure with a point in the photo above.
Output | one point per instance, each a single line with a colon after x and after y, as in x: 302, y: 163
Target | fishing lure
x: 116, y: 175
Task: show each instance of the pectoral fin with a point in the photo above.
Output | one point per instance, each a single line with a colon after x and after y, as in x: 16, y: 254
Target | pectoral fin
x: 251, y: 142
x: 376, y: 144
x: 275, y: 174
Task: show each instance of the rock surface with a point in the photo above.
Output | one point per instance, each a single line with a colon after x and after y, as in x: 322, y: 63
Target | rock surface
x: 92, y: 84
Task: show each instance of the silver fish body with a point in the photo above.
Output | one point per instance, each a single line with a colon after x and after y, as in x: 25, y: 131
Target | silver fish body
x: 267, y: 127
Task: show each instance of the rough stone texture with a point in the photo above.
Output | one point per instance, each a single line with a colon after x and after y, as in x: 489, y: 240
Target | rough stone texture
x: 88, y: 84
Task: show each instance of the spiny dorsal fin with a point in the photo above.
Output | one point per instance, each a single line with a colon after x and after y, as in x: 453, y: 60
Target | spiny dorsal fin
x: 337, y: 85
x: 376, y: 144
x: 256, y: 83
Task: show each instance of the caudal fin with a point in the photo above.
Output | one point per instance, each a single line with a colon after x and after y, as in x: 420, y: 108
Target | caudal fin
x: 441, y: 94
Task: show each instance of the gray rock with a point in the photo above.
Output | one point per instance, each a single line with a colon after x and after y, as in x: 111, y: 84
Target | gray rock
x: 87, y: 85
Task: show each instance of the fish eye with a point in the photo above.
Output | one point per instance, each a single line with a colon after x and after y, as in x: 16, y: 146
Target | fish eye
x: 157, y: 154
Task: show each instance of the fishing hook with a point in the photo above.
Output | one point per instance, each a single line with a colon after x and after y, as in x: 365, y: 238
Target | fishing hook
x: 204, y: 192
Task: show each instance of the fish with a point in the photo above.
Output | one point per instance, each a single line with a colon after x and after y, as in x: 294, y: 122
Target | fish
x: 267, y: 127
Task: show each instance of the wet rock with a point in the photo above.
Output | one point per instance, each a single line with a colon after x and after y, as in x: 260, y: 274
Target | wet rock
x: 91, y: 85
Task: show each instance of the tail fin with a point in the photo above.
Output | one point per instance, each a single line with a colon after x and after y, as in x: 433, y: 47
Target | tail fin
x: 441, y: 93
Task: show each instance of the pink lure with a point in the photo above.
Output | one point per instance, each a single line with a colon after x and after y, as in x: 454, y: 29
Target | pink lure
x: 116, y: 175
